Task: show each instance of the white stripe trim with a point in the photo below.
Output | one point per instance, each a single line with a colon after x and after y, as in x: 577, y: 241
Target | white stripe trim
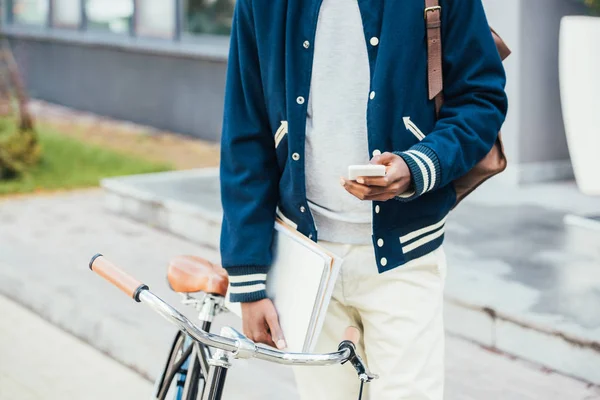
x: 247, y: 289
x: 281, y: 132
x: 415, y: 130
x: 424, y: 171
x: 423, y: 241
x: 422, y: 231
x: 247, y: 278
x: 429, y: 164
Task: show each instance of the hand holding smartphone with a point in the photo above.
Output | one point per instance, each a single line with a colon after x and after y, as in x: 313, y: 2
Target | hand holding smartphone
x: 389, y: 178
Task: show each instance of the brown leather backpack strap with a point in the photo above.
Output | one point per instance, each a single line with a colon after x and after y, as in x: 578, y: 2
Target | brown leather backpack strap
x: 433, y: 19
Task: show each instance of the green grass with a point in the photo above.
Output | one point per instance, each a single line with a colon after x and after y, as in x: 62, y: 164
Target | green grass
x: 68, y: 163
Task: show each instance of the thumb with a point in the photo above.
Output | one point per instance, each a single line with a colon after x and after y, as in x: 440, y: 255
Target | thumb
x: 383, y: 159
x: 276, y: 332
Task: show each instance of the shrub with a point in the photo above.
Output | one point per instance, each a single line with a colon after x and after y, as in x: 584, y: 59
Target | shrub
x: 19, y: 149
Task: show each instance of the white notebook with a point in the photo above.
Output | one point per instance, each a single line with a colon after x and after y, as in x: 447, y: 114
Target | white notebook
x: 300, y: 282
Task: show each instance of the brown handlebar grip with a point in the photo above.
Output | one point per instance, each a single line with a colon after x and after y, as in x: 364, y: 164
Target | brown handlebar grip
x: 352, y: 334
x: 115, y: 275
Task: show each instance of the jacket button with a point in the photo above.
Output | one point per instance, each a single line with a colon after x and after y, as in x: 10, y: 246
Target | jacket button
x: 380, y: 243
x: 372, y: 95
x: 302, y: 209
x: 295, y: 156
x: 374, y: 41
x: 383, y: 262
x: 376, y: 153
x: 306, y: 44
x: 300, y: 100
x: 377, y: 209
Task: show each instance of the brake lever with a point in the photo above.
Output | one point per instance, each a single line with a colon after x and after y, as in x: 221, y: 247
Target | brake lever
x: 359, y: 365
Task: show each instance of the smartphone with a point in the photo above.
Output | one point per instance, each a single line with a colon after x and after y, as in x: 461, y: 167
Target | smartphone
x: 354, y: 171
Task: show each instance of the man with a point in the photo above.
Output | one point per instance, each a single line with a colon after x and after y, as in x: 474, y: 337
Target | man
x: 314, y: 86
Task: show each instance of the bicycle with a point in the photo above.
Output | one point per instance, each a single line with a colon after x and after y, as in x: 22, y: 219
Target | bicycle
x: 194, y: 371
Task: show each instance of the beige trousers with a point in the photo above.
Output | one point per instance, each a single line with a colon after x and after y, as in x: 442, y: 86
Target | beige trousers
x: 399, y: 314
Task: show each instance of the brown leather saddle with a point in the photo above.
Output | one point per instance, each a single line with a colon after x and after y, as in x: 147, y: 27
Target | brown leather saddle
x: 190, y: 274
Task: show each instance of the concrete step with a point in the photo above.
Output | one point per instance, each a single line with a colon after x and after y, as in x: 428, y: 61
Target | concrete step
x: 519, y: 280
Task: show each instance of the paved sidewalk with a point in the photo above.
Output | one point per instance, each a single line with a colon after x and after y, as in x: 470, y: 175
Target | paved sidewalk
x: 474, y: 373
x: 45, y: 244
x: 39, y: 361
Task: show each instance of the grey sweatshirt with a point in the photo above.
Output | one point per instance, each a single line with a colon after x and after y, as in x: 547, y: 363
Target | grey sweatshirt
x: 336, y: 124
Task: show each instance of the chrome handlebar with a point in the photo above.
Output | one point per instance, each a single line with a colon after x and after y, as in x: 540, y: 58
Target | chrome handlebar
x: 231, y: 343
x: 240, y: 346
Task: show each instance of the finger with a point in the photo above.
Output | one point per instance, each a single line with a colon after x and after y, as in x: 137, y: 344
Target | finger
x: 353, y: 188
x: 263, y: 337
x: 390, y: 192
x: 260, y: 333
x: 257, y: 331
x: 384, y: 159
x: 275, y: 329
x: 382, y: 181
x: 362, y: 191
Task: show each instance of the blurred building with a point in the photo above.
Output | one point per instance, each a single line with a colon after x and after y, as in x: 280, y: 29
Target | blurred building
x: 155, y: 62
x: 162, y: 63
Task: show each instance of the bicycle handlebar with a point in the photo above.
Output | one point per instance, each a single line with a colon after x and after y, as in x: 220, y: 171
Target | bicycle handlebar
x: 115, y: 275
x: 235, y: 343
x: 238, y: 344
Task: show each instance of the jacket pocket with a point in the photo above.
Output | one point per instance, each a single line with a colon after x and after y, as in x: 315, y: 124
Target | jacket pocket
x: 281, y: 132
x: 413, y: 128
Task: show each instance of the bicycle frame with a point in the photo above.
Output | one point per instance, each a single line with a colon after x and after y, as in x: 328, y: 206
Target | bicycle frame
x: 191, y: 376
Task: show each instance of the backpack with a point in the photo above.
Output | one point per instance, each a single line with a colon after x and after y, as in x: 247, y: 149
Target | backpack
x: 495, y: 161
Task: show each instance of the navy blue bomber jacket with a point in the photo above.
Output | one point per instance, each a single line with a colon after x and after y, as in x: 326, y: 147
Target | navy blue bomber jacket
x: 268, y: 81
